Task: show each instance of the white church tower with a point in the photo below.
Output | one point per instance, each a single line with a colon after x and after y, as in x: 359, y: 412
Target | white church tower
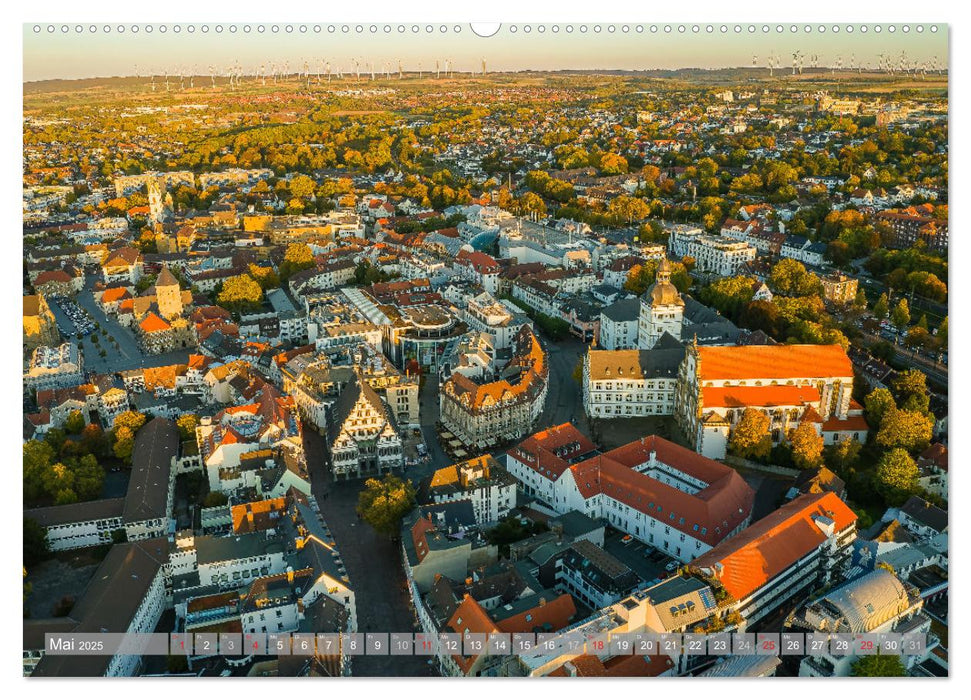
x: 662, y: 309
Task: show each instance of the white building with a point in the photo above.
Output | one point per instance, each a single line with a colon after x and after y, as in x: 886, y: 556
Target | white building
x: 654, y: 490
x: 54, y: 367
x: 482, y: 481
x: 630, y: 383
x: 711, y: 253
x: 619, y: 325
x: 662, y: 310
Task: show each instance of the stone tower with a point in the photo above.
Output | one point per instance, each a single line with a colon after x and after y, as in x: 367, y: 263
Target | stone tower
x: 662, y: 309
x: 168, y: 296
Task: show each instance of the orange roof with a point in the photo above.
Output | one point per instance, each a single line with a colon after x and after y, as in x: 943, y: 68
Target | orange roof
x: 551, y: 616
x: 469, y: 617
x: 115, y: 294
x: 746, y: 562
x: 258, y: 515
x: 773, y: 362
x: 742, y: 396
x: 545, y: 451
x: 126, y: 305
x: 708, y: 515
x: 154, y: 323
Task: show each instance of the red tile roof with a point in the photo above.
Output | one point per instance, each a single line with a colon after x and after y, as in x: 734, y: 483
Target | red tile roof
x: 154, y: 323
x: 550, y: 616
x: 742, y: 396
x: 765, y: 549
x: 542, y: 451
x: 773, y: 362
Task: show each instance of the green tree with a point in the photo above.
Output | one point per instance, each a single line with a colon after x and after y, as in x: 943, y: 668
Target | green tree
x: 896, y: 475
x: 942, y: 334
x: 900, y: 316
x: 878, y: 666
x: 806, y: 445
x: 383, y: 503
x: 907, y: 429
x: 89, y: 477
x: 882, y: 307
x: 750, y: 438
x: 789, y: 277
x: 909, y: 388
x: 74, y: 423
x: 878, y: 403
x: 215, y: 498
x: 241, y: 293
x: 35, y: 542
x: 843, y: 455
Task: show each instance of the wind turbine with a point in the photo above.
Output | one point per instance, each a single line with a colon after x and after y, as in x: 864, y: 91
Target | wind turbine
x: 438, y: 72
x: 483, y: 65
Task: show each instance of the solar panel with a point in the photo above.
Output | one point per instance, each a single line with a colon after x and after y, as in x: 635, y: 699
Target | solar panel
x: 707, y: 598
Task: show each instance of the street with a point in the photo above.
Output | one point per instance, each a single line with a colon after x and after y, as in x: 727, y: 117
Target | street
x: 373, y: 564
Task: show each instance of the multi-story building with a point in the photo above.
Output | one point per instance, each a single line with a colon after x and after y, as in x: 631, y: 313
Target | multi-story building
x: 913, y: 224
x: 839, y: 289
x: 40, y: 326
x: 619, y: 325
x: 798, y: 548
x: 484, y: 313
x: 652, y: 489
x: 715, y: 254
x: 661, y: 311
x: 791, y: 383
x: 481, y: 481
x: 362, y: 436
x: 875, y: 603
x: 630, y: 383
x: 480, y: 268
x: 482, y: 414
x: 54, y: 367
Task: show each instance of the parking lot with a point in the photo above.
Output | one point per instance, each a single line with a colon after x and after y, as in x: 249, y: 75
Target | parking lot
x: 72, y: 320
x: 647, y: 562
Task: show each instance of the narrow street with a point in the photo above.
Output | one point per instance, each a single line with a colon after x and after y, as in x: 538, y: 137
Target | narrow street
x: 373, y: 564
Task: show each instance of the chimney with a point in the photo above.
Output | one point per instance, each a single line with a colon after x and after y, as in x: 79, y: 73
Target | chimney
x: 542, y: 602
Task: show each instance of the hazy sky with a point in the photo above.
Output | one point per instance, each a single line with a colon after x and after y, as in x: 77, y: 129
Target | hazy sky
x: 83, y: 55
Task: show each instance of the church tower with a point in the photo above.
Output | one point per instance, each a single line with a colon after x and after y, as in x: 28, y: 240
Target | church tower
x: 168, y: 296
x: 662, y: 309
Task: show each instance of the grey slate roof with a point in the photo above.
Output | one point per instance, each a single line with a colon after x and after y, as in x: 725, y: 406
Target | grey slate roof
x: 155, y: 445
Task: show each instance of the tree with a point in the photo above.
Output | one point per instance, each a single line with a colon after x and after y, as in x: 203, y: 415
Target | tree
x: 302, y: 186
x: 74, y: 423
x: 750, y: 438
x: 298, y: 257
x: 806, y: 445
x: 878, y: 402
x: 896, y: 475
x: 942, y: 334
x: 187, y: 424
x: 383, y: 503
x: 907, y: 429
x: 878, y: 666
x: 909, y: 389
x: 789, y: 277
x: 882, y: 307
x: 900, y: 316
x: 133, y: 420
x: 843, y: 454
x: 35, y: 542
x: 124, y: 444
x: 613, y: 164
x: 215, y: 498
x: 240, y: 293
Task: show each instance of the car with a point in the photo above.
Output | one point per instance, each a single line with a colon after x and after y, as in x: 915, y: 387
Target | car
x: 626, y: 539
x: 672, y: 565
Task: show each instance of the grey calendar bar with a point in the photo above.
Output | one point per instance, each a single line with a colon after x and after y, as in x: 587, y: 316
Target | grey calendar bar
x: 496, y: 644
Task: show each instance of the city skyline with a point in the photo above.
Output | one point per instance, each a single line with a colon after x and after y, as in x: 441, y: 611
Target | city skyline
x: 72, y: 55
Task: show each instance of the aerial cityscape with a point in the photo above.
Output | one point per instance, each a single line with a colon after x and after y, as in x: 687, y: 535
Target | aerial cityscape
x: 469, y: 362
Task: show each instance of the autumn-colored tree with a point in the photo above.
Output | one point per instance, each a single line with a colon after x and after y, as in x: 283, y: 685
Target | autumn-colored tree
x: 907, y: 429
x: 789, y: 277
x: 132, y: 420
x: 240, y: 294
x: 297, y: 258
x: 266, y: 277
x: 900, y: 316
x: 124, y: 444
x: 843, y: 454
x: 187, y: 424
x: 613, y: 164
x: 750, y: 438
x: 806, y: 445
x: 383, y: 503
